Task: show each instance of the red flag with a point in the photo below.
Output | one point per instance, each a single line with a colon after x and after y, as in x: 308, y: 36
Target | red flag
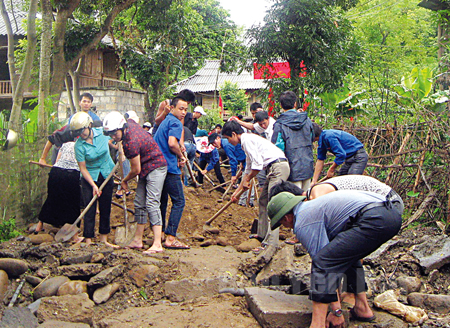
x: 220, y: 105
x: 275, y: 70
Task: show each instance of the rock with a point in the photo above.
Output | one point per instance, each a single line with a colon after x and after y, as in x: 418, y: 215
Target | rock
x: 248, y: 245
x: 185, y: 289
x: 103, y: 294
x: 222, y: 241
x: 208, y: 242
x: 13, y: 267
x: 71, y: 308
x: 51, y: 261
x: 212, y: 230
x: 72, y: 287
x: 43, y: 272
x: 433, y: 253
x: 433, y: 276
x: 373, y: 257
x: 80, y: 270
x: 49, y: 287
x: 143, y: 274
x: 4, y: 282
x: 300, y: 250
x: 207, y: 207
x: 42, y: 250
x: 18, y: 317
x: 41, y: 238
x: 431, y: 302
x: 33, y: 307
x: 198, y: 237
x: 59, y: 324
x: 33, y: 281
x: 97, y: 258
x: 106, y: 276
x: 279, y: 270
x: 278, y: 309
x: 409, y: 284
x: 76, y: 258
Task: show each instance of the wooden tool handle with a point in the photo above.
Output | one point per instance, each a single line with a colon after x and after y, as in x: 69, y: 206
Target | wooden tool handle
x: 224, y: 207
x: 37, y: 163
x: 205, y: 175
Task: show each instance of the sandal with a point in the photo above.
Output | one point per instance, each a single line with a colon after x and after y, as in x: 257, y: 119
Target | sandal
x: 355, y: 317
x: 292, y: 241
x: 176, y: 244
x: 259, y: 249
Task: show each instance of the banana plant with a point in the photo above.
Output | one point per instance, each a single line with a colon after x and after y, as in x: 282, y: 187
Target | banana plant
x: 414, y: 87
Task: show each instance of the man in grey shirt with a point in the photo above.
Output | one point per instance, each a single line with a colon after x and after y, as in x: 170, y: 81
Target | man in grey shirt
x: 337, y: 229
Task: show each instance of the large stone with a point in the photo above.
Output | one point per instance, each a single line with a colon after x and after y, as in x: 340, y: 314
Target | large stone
x: 72, y: 287
x: 18, y: 317
x: 143, y: 274
x: 409, y: 284
x: 49, y: 287
x: 4, y: 282
x: 431, y: 302
x: 13, y: 267
x: 374, y: 256
x: 41, y: 238
x: 278, y: 309
x: 103, y: 294
x: 70, y: 308
x: 43, y: 250
x: 248, y: 245
x: 433, y: 253
x: 279, y: 270
x: 80, y: 270
x: 185, y: 289
x: 59, y: 324
x: 106, y: 276
x: 77, y: 257
x: 33, y: 280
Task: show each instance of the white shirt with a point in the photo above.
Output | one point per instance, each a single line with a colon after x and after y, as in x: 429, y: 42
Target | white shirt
x: 260, y: 152
x: 268, y: 131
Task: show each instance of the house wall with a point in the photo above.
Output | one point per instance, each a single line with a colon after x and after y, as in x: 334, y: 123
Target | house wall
x: 107, y: 100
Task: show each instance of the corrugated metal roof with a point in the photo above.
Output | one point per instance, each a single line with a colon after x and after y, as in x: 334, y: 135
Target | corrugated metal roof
x: 205, y: 79
x: 16, y: 21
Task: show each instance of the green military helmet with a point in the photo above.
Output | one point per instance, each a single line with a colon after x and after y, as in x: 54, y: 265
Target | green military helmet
x: 280, y: 205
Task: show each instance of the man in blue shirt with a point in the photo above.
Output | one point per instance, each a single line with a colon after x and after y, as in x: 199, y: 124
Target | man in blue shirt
x: 348, y: 150
x: 168, y: 137
x: 337, y: 229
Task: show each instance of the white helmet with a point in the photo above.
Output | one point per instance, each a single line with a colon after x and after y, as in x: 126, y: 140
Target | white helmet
x: 147, y: 124
x: 131, y: 114
x: 80, y: 120
x: 11, y: 139
x: 112, y: 122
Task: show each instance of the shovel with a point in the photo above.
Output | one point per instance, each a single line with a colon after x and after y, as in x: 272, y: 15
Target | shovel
x: 224, y: 207
x: 190, y: 170
x: 205, y: 175
x: 69, y: 230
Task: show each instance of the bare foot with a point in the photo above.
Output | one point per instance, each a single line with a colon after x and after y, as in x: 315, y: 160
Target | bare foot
x: 110, y: 245
x: 77, y: 239
x: 152, y: 250
x: 88, y: 241
x: 135, y: 245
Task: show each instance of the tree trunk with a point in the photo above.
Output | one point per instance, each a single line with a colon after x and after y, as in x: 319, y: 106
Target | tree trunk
x: 44, y: 66
x: 69, y: 96
x: 15, y: 119
x: 11, y: 59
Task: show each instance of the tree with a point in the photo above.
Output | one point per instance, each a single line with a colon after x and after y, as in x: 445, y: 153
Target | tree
x: 234, y: 99
x: 162, y: 46
x: 310, y: 32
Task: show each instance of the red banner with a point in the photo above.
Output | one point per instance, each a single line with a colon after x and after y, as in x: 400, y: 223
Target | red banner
x: 271, y: 71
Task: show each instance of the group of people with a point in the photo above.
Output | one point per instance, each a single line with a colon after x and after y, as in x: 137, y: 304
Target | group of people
x: 339, y: 220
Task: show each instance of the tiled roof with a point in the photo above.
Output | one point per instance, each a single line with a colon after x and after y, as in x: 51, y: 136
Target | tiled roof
x: 16, y: 20
x: 205, y: 79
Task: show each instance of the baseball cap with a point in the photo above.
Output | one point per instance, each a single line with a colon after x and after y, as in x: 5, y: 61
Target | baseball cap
x: 200, y: 110
x: 280, y: 205
x: 212, y: 137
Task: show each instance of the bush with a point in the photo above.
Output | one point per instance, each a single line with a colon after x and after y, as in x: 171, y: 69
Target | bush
x: 8, y: 230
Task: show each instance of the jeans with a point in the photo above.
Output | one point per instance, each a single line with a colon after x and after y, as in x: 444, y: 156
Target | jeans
x: 341, y: 257
x: 355, y: 164
x: 104, y: 204
x: 190, y: 150
x: 276, y: 173
x: 148, y: 196
x: 219, y: 175
x: 126, y: 169
x: 173, y: 188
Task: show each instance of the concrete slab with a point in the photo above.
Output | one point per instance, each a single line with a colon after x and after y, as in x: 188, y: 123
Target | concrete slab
x: 273, y: 309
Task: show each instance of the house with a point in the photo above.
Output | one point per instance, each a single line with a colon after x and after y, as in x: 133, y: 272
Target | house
x: 99, y: 75
x: 208, y: 80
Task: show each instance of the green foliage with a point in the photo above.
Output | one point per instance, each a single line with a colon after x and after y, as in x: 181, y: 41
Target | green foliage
x: 77, y: 36
x: 234, y: 99
x: 211, y: 118
x: 311, y: 32
x: 8, y: 229
x: 415, y: 86
x: 143, y: 294
x: 412, y: 194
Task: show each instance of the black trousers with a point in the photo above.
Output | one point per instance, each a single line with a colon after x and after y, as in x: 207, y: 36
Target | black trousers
x: 104, y: 205
x: 340, y: 259
x: 355, y: 164
x: 216, y: 170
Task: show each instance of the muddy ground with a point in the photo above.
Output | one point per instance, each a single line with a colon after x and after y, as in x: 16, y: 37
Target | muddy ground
x: 212, y: 255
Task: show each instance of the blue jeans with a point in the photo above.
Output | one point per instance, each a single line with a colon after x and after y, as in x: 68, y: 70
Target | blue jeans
x: 173, y: 188
x: 126, y: 169
x: 190, y: 150
x: 148, y: 195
